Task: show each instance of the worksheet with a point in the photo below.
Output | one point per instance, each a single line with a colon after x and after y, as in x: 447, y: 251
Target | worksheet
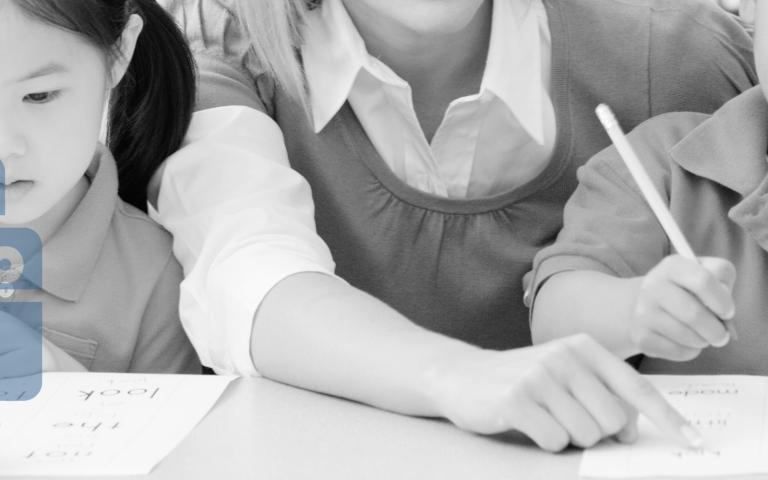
x: 730, y: 411
x: 102, y: 423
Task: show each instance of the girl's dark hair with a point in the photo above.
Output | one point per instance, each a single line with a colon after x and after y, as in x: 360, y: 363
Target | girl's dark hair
x: 151, y: 108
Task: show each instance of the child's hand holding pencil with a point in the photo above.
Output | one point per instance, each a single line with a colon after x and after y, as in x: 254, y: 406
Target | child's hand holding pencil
x: 680, y: 307
x: 685, y: 303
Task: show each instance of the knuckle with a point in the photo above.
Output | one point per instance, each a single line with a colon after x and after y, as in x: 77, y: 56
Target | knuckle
x: 529, y: 382
x: 562, y: 364
x: 693, y: 314
x: 640, y: 387
x: 519, y: 393
x: 615, y: 422
x: 701, y: 281
x: 651, y: 279
x: 582, y: 340
x: 559, y: 354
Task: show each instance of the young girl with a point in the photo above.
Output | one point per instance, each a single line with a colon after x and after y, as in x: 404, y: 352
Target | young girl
x: 109, y: 287
x: 612, y: 272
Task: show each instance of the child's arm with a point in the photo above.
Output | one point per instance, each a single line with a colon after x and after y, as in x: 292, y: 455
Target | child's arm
x: 609, y: 273
x: 576, y: 301
x: 672, y: 312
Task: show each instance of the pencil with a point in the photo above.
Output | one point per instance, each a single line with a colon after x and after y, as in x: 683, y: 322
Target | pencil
x: 651, y: 195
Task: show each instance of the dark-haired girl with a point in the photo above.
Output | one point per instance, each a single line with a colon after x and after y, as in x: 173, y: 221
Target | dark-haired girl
x: 110, y: 282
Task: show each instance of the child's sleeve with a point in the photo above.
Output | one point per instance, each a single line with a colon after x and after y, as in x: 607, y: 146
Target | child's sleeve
x: 162, y: 345
x: 228, y: 71
x: 608, y: 227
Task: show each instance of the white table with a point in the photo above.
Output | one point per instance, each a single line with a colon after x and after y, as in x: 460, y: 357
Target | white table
x: 264, y: 430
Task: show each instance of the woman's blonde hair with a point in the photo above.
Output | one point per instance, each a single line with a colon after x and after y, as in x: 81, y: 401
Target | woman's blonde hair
x: 274, y: 27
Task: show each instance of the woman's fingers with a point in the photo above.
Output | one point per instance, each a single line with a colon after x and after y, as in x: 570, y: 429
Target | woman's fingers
x: 611, y: 414
x: 568, y: 391
x: 538, y: 424
x: 615, y: 416
x: 633, y: 388
x: 583, y: 430
x: 630, y: 433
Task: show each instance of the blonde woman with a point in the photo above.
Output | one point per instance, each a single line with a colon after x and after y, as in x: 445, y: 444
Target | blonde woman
x: 367, y: 182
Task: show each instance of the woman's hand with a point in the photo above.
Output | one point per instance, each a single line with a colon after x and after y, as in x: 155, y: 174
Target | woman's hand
x: 680, y: 306
x: 569, y: 391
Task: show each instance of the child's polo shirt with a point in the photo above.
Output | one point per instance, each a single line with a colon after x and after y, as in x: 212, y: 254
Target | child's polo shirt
x: 713, y: 172
x: 110, y: 290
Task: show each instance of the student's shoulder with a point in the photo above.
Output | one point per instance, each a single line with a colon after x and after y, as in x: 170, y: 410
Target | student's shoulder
x: 706, y: 11
x: 660, y: 134
x: 652, y: 140
x: 676, y: 37
x: 679, y: 18
x: 698, y: 21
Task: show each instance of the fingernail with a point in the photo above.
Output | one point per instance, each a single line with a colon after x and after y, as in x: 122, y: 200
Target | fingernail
x: 723, y: 342
x: 692, y: 435
x: 731, y: 313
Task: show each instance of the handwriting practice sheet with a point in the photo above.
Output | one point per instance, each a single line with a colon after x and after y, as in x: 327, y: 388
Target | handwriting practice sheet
x: 729, y: 411
x: 102, y: 423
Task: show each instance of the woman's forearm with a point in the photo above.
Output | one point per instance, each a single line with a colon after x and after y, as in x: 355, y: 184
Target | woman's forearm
x: 316, y: 332
x: 588, y: 302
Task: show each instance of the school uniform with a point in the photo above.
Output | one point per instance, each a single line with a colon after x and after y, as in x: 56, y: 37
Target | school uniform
x: 110, y: 286
x: 713, y: 172
x: 285, y: 192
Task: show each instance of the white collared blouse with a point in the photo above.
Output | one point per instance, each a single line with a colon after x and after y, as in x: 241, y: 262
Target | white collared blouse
x: 490, y: 142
